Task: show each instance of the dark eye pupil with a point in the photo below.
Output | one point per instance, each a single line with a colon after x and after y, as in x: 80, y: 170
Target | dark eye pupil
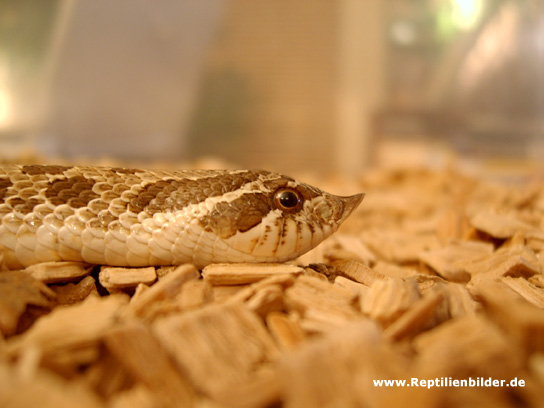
x: 288, y: 199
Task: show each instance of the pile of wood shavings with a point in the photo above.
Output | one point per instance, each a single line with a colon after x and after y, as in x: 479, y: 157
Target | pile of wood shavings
x: 436, y: 277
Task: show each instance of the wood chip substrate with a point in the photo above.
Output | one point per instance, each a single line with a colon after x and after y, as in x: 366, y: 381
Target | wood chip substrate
x: 430, y: 295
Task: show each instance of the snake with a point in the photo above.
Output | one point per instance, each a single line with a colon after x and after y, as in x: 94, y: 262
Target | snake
x: 140, y: 217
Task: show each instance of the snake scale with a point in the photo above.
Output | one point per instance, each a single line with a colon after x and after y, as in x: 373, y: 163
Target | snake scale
x: 135, y: 217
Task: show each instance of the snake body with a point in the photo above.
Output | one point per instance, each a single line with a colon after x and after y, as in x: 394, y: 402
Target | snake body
x: 136, y: 217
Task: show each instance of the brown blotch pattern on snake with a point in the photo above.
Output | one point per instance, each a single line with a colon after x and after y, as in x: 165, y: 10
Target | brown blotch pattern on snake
x: 172, y: 195
x: 74, y: 191
x: 241, y: 214
x: 34, y: 169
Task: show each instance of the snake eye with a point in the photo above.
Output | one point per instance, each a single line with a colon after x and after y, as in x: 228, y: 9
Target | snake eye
x: 288, y: 200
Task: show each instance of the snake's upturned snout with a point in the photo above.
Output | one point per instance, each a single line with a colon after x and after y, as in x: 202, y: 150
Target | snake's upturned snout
x: 351, y: 203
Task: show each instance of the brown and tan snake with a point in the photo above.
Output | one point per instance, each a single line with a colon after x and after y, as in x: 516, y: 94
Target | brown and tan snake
x: 135, y: 217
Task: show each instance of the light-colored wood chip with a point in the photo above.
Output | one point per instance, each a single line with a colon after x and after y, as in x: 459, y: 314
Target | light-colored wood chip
x: 17, y: 291
x: 195, y: 293
x: 268, y: 299
x: 400, y: 247
x: 248, y: 291
x: 164, y: 270
x: 470, y: 346
x: 352, y: 247
x: 523, y: 321
x: 358, y: 272
x: 241, y: 273
x: 452, y: 224
x: 515, y: 261
x: 526, y: 289
x: 535, y: 243
x: 113, y: 278
x: 285, y: 329
x: 327, y: 271
x: 358, y: 289
x: 389, y: 298
x: 69, y: 335
x: 218, y: 345
x: 139, y: 396
x: 537, y: 280
x: 137, y: 350
x: 262, y: 390
x: 415, y: 319
x: 58, y: 272
x: 394, y: 271
x: 44, y: 389
x: 314, y: 274
x: 223, y: 293
x: 502, y: 225
x: 323, y: 322
x: 150, y: 302
x: 75, y: 292
x: 449, y: 261
x: 309, y: 293
x: 459, y: 300
x: 337, y: 370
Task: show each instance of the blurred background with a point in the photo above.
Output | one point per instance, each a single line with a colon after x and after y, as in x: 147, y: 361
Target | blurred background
x: 305, y: 86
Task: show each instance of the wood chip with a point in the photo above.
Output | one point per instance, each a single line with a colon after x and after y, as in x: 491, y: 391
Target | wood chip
x: 358, y: 272
x: 58, y: 272
x: 502, y: 225
x: 349, y: 247
x: 527, y: 290
x: 69, y: 335
x: 262, y: 390
x: 150, y: 302
x: 267, y: 300
x: 467, y: 347
x: 309, y: 294
x: 459, y: 300
x: 142, y: 356
x: 506, y: 261
x: 394, y: 271
x: 337, y: 370
x: 43, y: 389
x: 139, y: 396
x: 327, y: 271
x: 229, y: 338
x: 400, y: 247
x: 247, y: 292
x: 357, y: 289
x: 449, y: 261
x: 115, y: 279
x: 323, y: 322
x: 240, y: 274
x: 223, y: 293
x: 389, y: 298
x: 314, y: 274
x: 75, y: 292
x: 537, y: 280
x: 285, y: 329
x: 195, y: 293
x: 452, y: 225
x: 416, y: 319
x: 523, y: 321
x: 18, y: 290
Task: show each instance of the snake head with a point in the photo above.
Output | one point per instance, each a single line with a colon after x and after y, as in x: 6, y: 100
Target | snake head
x: 274, y: 219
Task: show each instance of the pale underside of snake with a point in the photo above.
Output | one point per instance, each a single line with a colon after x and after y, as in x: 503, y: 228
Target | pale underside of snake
x: 135, y: 217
